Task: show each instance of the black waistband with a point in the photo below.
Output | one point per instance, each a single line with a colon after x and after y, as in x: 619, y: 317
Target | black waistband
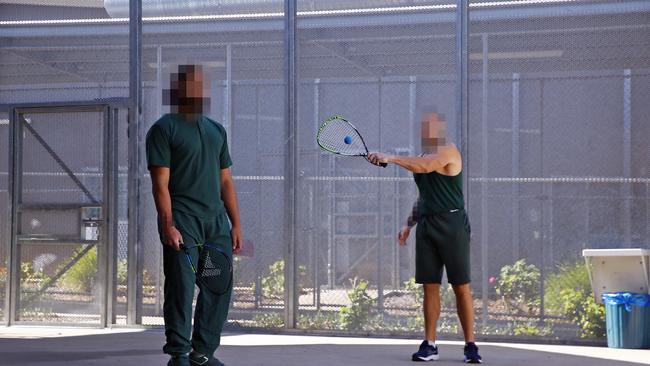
x: 453, y: 210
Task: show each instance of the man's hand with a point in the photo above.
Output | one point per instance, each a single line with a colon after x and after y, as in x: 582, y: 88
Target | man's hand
x: 403, y: 235
x: 237, y: 239
x: 173, y: 237
x: 377, y: 158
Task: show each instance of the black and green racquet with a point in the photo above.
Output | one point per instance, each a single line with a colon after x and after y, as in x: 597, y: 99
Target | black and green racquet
x: 337, y: 135
x: 214, y: 267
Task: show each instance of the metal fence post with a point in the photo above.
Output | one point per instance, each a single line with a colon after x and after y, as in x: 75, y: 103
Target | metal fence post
x: 484, y: 173
x: 462, y: 97
x: 291, y: 164
x: 134, y: 277
x: 13, y: 258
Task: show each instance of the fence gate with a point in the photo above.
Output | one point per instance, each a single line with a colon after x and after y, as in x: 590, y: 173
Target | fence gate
x: 62, y: 184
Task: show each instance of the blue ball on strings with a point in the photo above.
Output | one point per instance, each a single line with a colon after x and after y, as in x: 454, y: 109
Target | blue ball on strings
x: 347, y: 140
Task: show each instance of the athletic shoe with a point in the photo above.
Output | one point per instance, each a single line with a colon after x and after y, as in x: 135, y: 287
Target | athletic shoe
x: 426, y: 352
x: 199, y: 359
x: 181, y: 360
x: 471, y: 353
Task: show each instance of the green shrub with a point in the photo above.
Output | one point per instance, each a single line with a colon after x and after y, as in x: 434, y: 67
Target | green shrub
x: 592, y: 321
x: 447, y: 300
x: 448, y: 325
x: 531, y: 329
x: 36, y: 313
x: 493, y: 329
x: 29, y: 274
x: 357, y: 315
x: 269, y: 320
x: 447, y: 296
x: 81, y: 276
x: 416, y: 290
x: 320, y: 320
x: 3, y: 276
x: 568, y: 294
x: 518, y: 284
x: 581, y: 308
x: 273, y: 283
x: 122, y: 270
x: 569, y: 276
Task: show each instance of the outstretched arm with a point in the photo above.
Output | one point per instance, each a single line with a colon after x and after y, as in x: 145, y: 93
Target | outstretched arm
x: 415, y: 164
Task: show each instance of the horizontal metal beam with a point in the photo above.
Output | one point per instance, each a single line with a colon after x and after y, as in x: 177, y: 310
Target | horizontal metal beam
x: 54, y: 206
x: 331, y: 39
x: 185, y: 25
x: 65, y: 107
x: 27, y: 240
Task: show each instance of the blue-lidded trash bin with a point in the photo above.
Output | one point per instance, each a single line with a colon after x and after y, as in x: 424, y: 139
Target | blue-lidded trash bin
x: 627, y: 317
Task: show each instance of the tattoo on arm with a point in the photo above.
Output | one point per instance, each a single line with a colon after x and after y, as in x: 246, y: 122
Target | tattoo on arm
x: 413, y: 217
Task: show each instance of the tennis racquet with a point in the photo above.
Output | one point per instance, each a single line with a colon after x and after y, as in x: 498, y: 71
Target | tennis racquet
x: 339, y: 136
x: 214, y: 268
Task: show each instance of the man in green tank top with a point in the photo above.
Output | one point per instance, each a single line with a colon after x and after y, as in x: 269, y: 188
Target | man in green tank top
x: 443, y: 232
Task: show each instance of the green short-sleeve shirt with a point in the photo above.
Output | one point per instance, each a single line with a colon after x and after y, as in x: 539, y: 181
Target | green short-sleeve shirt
x: 195, y: 152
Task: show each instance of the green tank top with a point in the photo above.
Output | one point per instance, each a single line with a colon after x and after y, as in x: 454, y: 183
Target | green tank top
x: 439, y: 193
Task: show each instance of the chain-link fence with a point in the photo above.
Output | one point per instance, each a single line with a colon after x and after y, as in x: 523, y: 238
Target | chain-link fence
x: 57, y: 244
x: 556, y: 157
x: 4, y: 214
x: 556, y: 146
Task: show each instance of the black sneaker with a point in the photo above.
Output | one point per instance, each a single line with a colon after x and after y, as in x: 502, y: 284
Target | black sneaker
x: 199, y: 359
x: 471, y: 353
x: 426, y: 353
x: 180, y: 360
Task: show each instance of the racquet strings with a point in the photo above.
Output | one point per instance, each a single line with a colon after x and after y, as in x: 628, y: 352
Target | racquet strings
x: 214, y: 270
x: 332, y: 137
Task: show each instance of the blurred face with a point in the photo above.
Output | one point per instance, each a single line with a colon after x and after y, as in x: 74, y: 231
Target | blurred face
x: 433, y: 132
x: 192, y: 86
x: 189, y: 93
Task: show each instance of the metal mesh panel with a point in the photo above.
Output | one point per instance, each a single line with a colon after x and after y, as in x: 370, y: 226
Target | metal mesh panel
x: 121, y: 246
x: 257, y: 147
x: 245, y: 67
x: 51, y: 10
x: 557, y: 150
x: 5, y: 223
x: 61, y: 52
x: 73, y: 299
x: 59, y: 278
x: 378, y: 70
x: 555, y: 157
x: 58, y: 51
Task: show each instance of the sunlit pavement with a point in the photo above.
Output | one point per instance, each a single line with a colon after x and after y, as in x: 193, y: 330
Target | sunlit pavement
x: 23, y: 345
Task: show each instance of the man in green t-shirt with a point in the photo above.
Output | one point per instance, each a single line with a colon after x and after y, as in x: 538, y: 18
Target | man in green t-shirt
x: 443, y: 232
x: 187, y: 155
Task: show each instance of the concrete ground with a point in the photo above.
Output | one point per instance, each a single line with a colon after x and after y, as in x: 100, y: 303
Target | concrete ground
x: 36, y: 346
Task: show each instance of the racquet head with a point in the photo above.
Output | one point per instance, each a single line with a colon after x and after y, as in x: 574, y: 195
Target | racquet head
x: 214, y: 267
x: 337, y: 135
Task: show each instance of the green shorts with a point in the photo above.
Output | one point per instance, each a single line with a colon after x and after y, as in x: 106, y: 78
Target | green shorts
x: 442, y: 242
